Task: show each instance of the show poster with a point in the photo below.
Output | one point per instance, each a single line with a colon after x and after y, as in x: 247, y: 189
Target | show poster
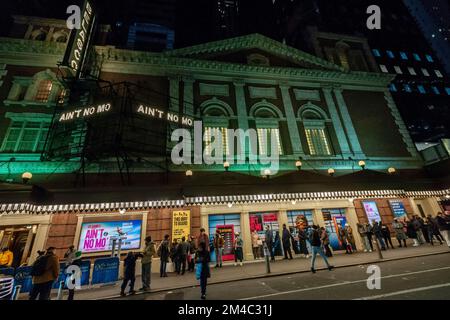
x: 371, y: 209
x: 398, y: 208
x: 332, y: 222
x: 97, y: 236
x: 227, y: 232
x: 181, y: 224
x: 106, y: 270
x: 259, y: 221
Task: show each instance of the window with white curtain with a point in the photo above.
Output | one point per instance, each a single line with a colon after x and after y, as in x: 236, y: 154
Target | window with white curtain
x: 25, y: 136
x: 265, y: 136
x: 216, y: 131
x: 317, y: 142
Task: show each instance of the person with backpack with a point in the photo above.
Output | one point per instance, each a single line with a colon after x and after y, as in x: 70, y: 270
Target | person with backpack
x: 129, y: 273
x: 317, y: 249
x: 45, y: 271
x: 164, y: 253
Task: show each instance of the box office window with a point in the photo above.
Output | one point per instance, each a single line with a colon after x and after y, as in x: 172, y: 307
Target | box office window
x: 228, y: 225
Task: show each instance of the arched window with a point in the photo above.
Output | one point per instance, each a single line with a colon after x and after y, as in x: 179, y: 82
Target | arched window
x: 314, y: 121
x: 267, y: 117
x: 44, y: 90
x: 39, y: 35
x: 60, y: 36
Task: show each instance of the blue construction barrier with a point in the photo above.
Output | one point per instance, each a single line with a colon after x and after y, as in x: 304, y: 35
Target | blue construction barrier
x: 106, y: 270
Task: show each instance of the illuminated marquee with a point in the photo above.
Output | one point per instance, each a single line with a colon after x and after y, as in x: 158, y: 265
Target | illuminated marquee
x: 154, y: 112
x: 85, y: 112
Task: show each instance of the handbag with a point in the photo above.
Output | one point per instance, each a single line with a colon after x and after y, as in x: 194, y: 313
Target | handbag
x: 198, y: 270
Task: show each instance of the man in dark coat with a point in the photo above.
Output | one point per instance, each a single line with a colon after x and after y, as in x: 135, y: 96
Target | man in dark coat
x: 129, y: 272
x: 286, y: 239
x: 269, y: 242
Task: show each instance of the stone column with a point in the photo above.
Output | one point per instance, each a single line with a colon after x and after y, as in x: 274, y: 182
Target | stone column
x: 348, y: 124
x: 337, y: 124
x: 414, y: 207
x: 352, y: 220
x: 318, y: 217
x: 283, y: 219
x: 291, y: 121
x: 246, y: 236
x: 188, y: 96
x: 241, y: 105
x: 40, y: 240
x: 174, y: 93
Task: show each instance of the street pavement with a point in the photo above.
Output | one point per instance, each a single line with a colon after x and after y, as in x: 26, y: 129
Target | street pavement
x: 234, y: 276
x: 425, y: 278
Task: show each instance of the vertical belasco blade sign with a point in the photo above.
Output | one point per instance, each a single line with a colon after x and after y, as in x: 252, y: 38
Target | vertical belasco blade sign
x: 80, y: 39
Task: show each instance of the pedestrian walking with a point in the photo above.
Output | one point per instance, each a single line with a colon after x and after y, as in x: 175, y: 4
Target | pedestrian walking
x: 129, y: 274
x: 146, y: 263
x: 218, y: 248
x: 203, y: 237
x: 75, y: 261
x: 376, y: 229
x: 443, y: 221
x: 255, y: 245
x: 386, y: 235
x: 316, y: 249
x: 362, y: 230
x: 269, y: 241
x: 287, y: 238
x: 45, y: 271
x: 325, y: 238
x: 164, y: 253
x: 238, y: 252
x: 399, y: 229
x: 183, y: 252
x: 203, y: 272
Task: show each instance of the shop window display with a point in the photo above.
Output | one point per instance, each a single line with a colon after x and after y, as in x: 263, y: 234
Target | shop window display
x: 296, y: 219
x: 228, y: 225
x: 333, y: 219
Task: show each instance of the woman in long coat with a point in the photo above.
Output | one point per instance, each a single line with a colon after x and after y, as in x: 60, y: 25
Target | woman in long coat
x: 302, y: 242
x: 400, y: 234
x: 411, y: 233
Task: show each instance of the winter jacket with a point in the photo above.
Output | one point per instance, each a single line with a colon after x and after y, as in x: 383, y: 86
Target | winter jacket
x: 399, y: 230
x: 286, y: 238
x: 130, y: 266
x: 218, y: 241
x: 51, y: 272
x: 149, y: 252
x: 183, y: 248
x: 443, y: 222
x: 269, y: 237
x: 411, y: 230
x: 164, y: 251
x: 315, y: 239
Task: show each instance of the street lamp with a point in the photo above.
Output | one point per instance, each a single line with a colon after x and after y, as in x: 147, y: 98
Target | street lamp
x: 189, y: 173
x: 331, y: 172
x: 226, y: 165
x: 230, y: 205
x: 392, y: 170
x: 26, y: 176
x: 298, y: 165
x: 362, y: 164
x: 267, y: 173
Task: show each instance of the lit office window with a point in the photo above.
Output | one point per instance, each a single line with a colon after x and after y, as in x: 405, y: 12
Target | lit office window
x: 438, y: 74
x: 435, y: 90
x: 25, y: 136
x: 403, y: 55
x: 398, y: 70
x: 393, y: 87
x: 44, y: 89
x: 376, y: 53
x: 317, y: 142
x: 383, y: 68
x: 265, y: 140
x: 421, y: 89
x: 407, y: 88
x: 417, y: 57
x: 209, y: 133
x: 412, y: 71
x: 390, y: 54
x: 425, y: 72
x: 429, y: 58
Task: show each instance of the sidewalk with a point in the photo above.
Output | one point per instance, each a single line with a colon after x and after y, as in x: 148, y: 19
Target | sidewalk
x: 257, y: 269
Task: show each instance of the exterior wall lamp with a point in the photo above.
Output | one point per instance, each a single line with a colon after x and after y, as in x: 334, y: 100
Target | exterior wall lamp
x: 331, y: 172
x: 298, y: 165
x: 392, y: 170
x: 226, y: 166
x: 362, y: 164
x: 189, y: 173
x: 26, y: 176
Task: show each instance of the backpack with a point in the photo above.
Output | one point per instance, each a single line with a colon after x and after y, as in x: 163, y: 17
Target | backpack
x: 39, y: 266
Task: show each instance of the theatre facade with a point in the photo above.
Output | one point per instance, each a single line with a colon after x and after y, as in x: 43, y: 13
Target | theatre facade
x: 345, y: 155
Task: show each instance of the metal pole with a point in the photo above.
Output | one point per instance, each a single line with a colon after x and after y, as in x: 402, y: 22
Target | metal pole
x: 15, y: 295
x: 60, y: 291
x: 267, y: 256
x: 380, y: 255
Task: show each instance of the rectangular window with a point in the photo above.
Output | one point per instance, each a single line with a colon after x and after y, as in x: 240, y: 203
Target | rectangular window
x: 429, y: 58
x: 26, y: 136
x: 264, y: 140
x: 390, y: 54
x: 425, y: 72
x: 214, y: 131
x: 317, y: 142
x: 435, y: 90
x: 438, y: 74
x: 417, y: 57
x: 376, y: 53
x: 421, y: 89
x: 383, y: 68
x: 412, y: 71
x: 43, y: 92
x: 403, y: 55
x: 398, y: 70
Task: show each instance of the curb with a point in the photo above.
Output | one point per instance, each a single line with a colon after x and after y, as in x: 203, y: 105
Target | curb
x: 272, y: 275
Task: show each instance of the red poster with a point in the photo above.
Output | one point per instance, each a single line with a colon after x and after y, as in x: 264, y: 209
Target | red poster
x: 270, y: 217
x: 227, y: 232
x: 255, y: 223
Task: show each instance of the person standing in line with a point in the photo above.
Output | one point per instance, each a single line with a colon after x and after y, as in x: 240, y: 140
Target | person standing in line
x: 269, y: 242
x: 316, y: 249
x: 218, y: 248
x: 203, y: 263
x: 191, y: 256
x: 302, y: 242
x: 369, y: 229
x: 184, y: 250
x: 342, y: 235
x: 45, y: 271
x: 433, y: 230
x: 418, y: 228
x: 386, y: 235
x: 350, y: 237
x: 69, y: 256
x: 6, y: 258
x: 400, y: 234
x: 238, y: 252
x: 129, y: 273
x: 443, y: 221
x: 146, y: 262
x: 423, y: 229
x: 203, y: 237
x: 325, y: 238
x: 255, y: 245
x: 76, y: 261
x: 411, y: 232
x: 287, y: 239
x: 376, y: 229
x: 362, y: 230
x: 164, y: 253
x: 175, y: 256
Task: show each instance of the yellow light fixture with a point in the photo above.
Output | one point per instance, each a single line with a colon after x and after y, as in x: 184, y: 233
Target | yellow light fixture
x: 26, y: 176
x: 189, y: 173
x: 331, y: 171
x: 362, y: 164
x: 298, y: 164
x: 226, y: 165
x: 392, y: 170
